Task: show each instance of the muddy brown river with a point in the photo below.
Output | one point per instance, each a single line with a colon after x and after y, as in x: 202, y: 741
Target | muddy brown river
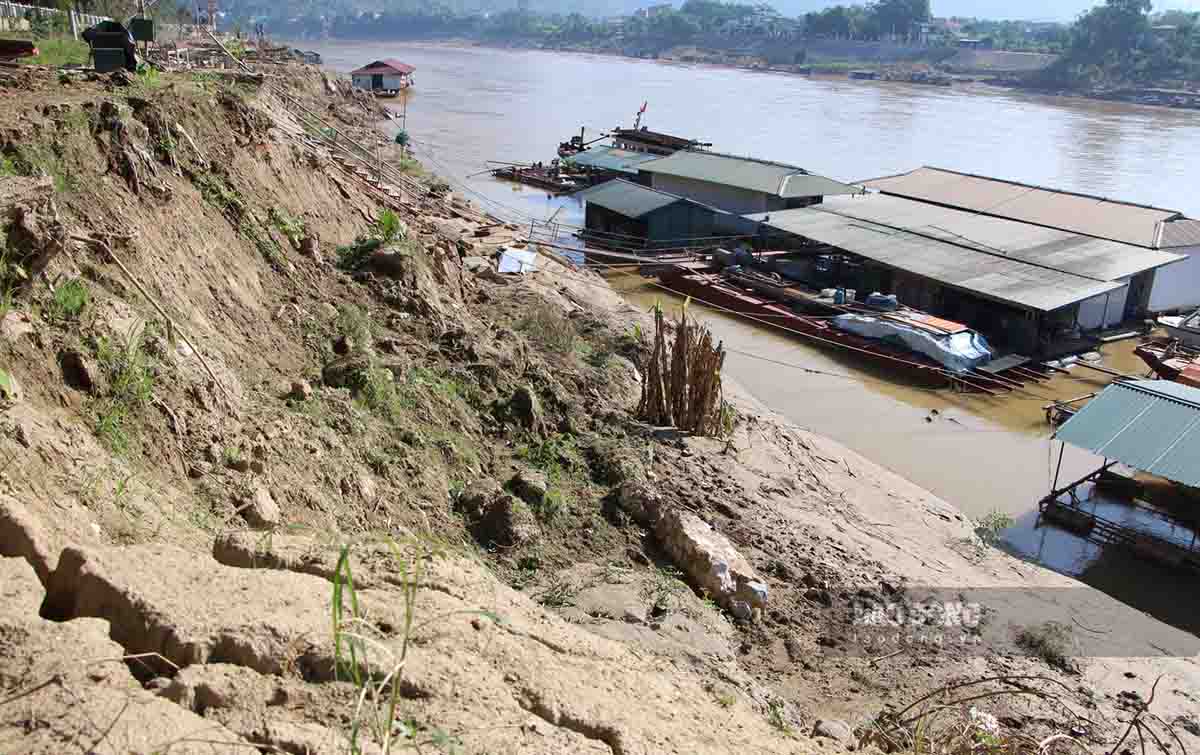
x: 474, y: 105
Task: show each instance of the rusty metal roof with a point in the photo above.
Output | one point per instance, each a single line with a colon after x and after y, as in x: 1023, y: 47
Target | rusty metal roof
x: 1151, y: 425
x: 1087, y: 256
x: 987, y: 274
x: 777, y: 179
x: 657, y: 138
x: 387, y: 65
x: 1081, y: 213
x: 1179, y: 233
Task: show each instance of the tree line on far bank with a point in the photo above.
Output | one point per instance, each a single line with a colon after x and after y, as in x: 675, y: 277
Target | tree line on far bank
x: 1121, y: 42
x: 1117, y: 42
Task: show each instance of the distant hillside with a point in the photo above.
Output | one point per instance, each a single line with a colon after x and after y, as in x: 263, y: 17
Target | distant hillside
x: 1059, y: 10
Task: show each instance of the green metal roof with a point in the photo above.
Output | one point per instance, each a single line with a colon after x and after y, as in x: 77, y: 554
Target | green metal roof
x: 992, y: 275
x: 1151, y: 425
x: 777, y: 179
x: 628, y: 199
x: 1095, y: 258
x: 611, y: 158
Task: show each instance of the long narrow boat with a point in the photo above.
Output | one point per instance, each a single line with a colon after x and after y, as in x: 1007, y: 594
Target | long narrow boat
x: 729, y: 293
x: 709, y: 288
x: 543, y: 178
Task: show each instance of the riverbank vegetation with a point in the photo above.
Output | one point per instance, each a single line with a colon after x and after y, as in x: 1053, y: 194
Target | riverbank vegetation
x: 1116, y: 43
x: 1121, y: 42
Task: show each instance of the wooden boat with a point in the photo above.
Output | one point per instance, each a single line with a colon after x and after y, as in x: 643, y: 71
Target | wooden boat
x: 710, y: 288
x: 1171, y: 360
x: 1186, y: 328
x: 758, y: 302
x: 551, y: 179
x: 571, y: 147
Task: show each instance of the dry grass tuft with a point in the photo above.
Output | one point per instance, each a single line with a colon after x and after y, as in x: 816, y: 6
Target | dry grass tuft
x: 949, y: 721
x: 376, y: 663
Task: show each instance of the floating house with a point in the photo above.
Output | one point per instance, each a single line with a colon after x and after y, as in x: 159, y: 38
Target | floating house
x: 623, y: 214
x: 1029, y: 288
x: 1148, y: 425
x: 739, y: 185
x: 1146, y: 289
x: 386, y: 78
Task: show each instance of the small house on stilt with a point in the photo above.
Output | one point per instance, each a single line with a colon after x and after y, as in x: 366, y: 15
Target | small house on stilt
x: 386, y: 78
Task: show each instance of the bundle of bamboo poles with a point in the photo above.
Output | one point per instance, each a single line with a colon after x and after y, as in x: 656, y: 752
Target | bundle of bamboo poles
x: 681, y: 380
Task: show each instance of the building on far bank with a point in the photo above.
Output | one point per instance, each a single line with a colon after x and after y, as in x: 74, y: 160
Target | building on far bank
x: 654, y: 11
x: 1150, y: 291
x: 739, y: 185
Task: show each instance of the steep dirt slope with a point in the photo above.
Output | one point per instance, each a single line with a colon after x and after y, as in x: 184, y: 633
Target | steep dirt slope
x: 281, y: 459
x: 184, y: 360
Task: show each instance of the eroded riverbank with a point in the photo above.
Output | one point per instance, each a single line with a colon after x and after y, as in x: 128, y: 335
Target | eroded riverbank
x: 476, y: 104
x: 982, y: 454
x: 300, y: 477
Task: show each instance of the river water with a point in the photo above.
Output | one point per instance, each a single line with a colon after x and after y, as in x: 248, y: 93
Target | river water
x: 472, y: 105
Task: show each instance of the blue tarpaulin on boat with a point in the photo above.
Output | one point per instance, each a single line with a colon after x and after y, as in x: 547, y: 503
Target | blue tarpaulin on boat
x: 957, y: 352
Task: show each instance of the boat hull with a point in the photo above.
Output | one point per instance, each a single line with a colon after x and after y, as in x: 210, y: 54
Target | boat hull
x: 1170, y: 361
x: 1188, y: 336
x: 912, y: 366
x: 537, y: 180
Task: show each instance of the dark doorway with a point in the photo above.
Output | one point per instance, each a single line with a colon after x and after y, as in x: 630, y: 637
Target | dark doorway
x: 1137, y: 299
x: 377, y: 81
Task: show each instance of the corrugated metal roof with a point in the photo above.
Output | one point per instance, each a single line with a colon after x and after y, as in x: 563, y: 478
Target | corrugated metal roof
x: 611, y: 158
x: 1092, y: 216
x: 387, y: 65
x: 1151, y: 425
x: 777, y: 179
x: 628, y: 199
x: 986, y: 274
x: 1099, y: 259
x: 1179, y: 233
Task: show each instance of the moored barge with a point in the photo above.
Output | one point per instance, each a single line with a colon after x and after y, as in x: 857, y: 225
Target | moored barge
x: 791, y: 309
x: 552, y: 178
x: 710, y: 288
